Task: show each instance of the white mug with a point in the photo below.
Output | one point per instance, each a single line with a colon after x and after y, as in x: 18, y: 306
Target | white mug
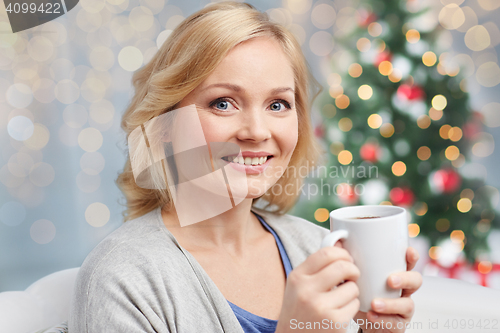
x: 377, y: 239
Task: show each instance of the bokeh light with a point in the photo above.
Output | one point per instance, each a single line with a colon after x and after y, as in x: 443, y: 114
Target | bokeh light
x: 412, y: 36
x: 421, y: 208
x: 42, y: 231
x: 345, y: 124
x: 97, y: 214
x: 374, y: 121
x: 323, y: 16
x: 455, y: 134
x: 92, y: 163
x: 90, y: 139
x: 67, y: 91
x: 19, y: 95
x: 141, y: 18
x: 439, y: 102
x: 424, y: 121
x: 413, y: 230
x: 483, y: 144
x: 464, y: 205
x: 355, y: 70
x: 40, y: 48
x: 345, y: 157
x: 43, y: 90
x: 75, y: 115
x: 451, y: 16
x: 375, y: 29
x: 484, y: 267
x: 387, y: 130
x: 444, y: 131
x: 321, y: 43
x: 363, y: 44
x: 398, y: 168
x: 39, y: 139
x: 442, y: 225
x: 491, y: 114
x: 488, y: 74
x: 297, y: 6
x: 321, y: 214
x: 365, y: 92
x: 424, y: 153
x: 130, y: 58
x: 342, y: 101
x: 435, y: 252
x: 385, y: 68
x: 435, y: 114
x: 452, y: 153
x: 102, y: 111
x: 20, y: 128
x: 429, y: 58
x: 477, y: 38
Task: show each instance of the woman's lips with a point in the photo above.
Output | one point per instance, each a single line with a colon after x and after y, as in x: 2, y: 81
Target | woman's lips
x: 251, y: 169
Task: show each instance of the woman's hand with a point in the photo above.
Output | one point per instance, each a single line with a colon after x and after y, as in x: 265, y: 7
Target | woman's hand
x: 397, y: 312
x: 314, y: 301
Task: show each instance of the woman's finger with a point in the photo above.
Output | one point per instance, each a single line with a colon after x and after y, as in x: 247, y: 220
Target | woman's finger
x: 403, y: 306
x: 333, y: 274
x: 322, y: 258
x: 385, y: 322
x: 408, y: 281
x: 411, y: 258
x: 341, y: 296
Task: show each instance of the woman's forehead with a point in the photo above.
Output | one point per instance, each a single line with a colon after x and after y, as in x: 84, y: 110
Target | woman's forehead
x: 257, y: 61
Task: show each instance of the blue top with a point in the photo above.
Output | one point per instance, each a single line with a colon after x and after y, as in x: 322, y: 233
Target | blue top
x: 252, y: 323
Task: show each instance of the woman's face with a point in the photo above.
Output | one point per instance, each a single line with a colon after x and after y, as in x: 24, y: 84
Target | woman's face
x: 249, y: 100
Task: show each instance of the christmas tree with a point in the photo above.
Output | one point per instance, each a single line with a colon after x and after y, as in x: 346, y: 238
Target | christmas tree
x: 398, y: 129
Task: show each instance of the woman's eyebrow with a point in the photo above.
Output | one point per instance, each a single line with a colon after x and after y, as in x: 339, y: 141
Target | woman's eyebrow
x: 239, y: 89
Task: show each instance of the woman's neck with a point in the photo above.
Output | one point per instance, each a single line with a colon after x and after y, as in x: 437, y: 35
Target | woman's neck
x: 232, y: 230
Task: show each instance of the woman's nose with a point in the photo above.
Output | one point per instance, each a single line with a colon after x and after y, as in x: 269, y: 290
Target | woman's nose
x: 253, y: 126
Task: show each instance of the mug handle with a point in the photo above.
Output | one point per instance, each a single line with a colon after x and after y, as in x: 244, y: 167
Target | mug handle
x: 333, y: 237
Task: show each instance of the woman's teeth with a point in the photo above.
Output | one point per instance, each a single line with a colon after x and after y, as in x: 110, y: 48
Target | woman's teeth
x: 250, y: 160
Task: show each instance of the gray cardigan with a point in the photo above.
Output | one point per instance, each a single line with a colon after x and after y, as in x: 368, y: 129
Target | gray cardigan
x: 139, y: 279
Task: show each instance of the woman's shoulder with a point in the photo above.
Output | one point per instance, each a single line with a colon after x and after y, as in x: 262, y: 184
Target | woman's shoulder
x: 131, y: 246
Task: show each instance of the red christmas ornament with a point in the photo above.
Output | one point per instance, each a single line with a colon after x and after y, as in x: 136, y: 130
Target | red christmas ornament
x: 319, y: 131
x: 382, y: 56
x: 402, y: 196
x: 446, y: 180
x: 369, y: 152
x: 474, y: 125
x: 346, y: 194
x: 365, y: 18
x: 410, y: 92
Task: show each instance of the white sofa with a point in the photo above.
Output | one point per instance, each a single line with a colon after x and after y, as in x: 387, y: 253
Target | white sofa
x: 43, y: 304
x: 439, y: 301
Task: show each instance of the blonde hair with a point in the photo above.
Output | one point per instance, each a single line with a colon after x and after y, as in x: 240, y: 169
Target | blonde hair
x: 189, y: 55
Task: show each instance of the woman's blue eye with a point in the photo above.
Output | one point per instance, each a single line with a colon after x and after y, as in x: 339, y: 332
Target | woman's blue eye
x: 221, y: 105
x: 276, y: 106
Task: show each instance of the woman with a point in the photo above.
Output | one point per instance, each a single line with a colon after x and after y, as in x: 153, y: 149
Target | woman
x: 232, y: 272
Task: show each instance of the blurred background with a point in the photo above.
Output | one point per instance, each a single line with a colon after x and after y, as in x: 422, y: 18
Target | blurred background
x: 410, y: 90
